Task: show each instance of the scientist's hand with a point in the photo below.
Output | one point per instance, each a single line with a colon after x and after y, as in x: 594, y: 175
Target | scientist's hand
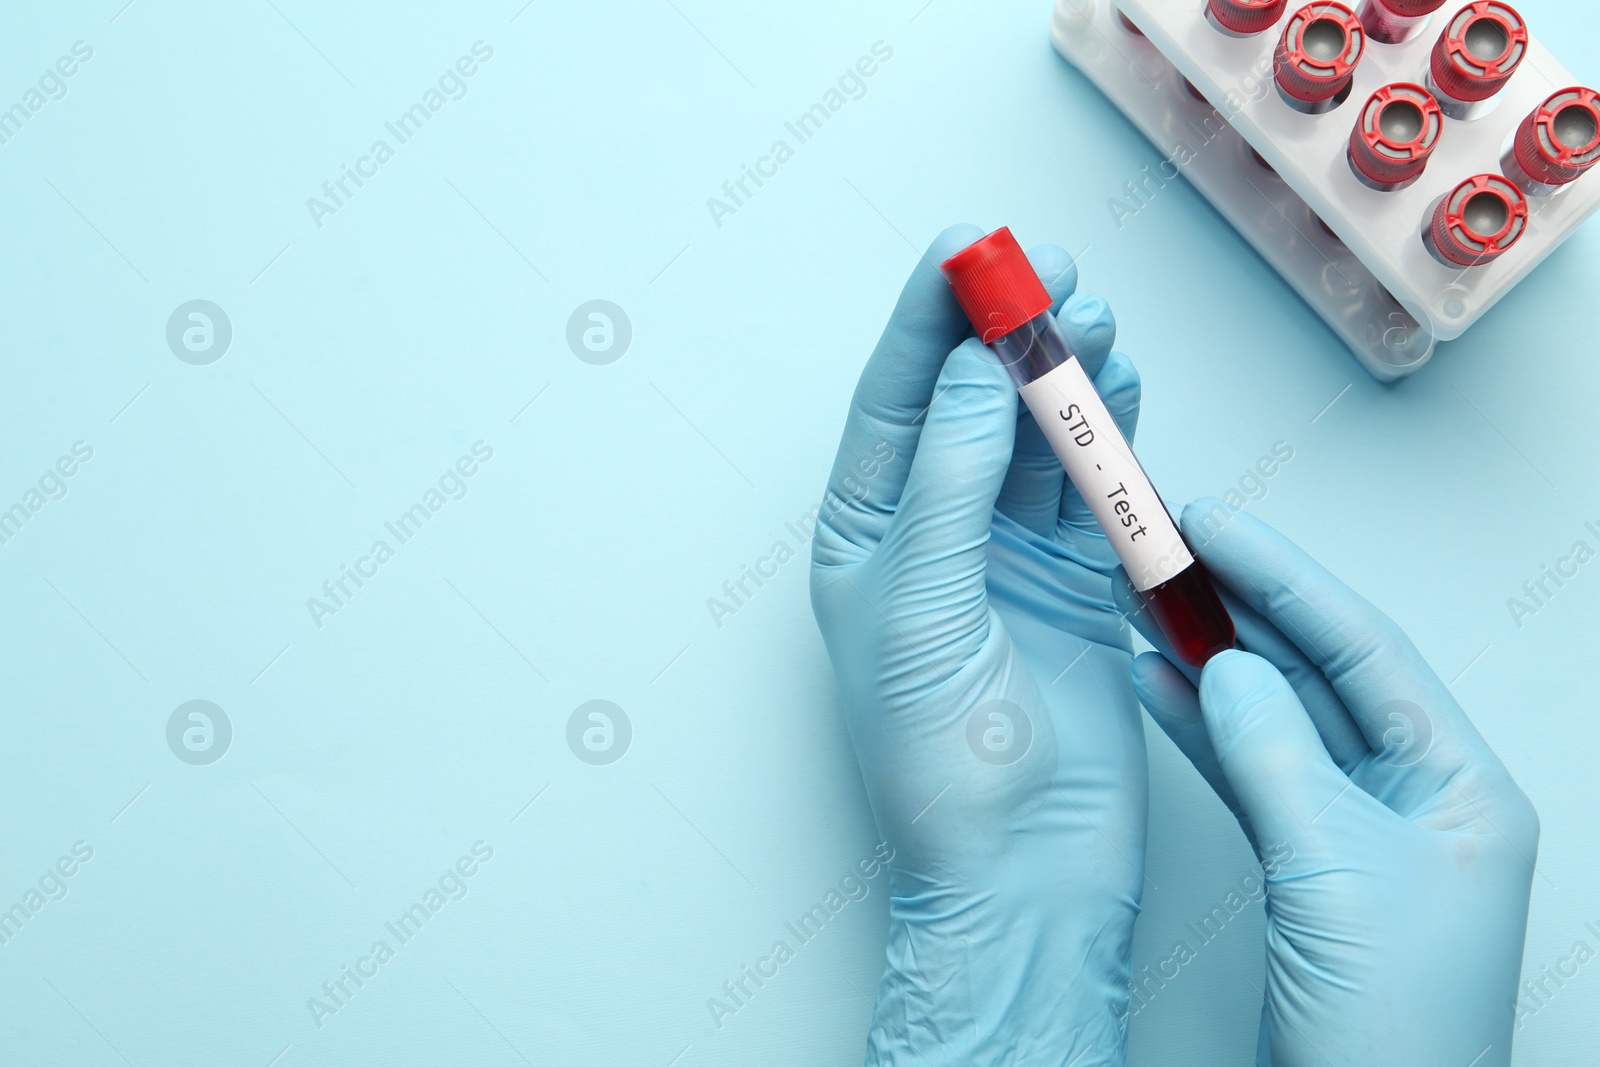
x: 964, y: 593
x: 1399, y: 852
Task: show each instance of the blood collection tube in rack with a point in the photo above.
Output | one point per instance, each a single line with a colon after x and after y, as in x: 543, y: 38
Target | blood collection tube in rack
x: 1315, y: 62
x: 1010, y: 308
x: 1477, y: 52
x: 1477, y: 222
x: 1397, y: 122
x: 1556, y: 144
x: 1394, y: 136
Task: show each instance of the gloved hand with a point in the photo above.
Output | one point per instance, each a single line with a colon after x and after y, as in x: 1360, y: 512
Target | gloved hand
x: 964, y: 594
x: 1400, y: 851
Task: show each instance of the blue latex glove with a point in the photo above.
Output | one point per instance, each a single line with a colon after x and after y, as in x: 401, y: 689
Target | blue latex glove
x: 964, y: 594
x: 1400, y: 851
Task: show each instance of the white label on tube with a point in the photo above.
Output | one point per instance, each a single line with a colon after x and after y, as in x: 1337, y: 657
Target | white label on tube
x: 1101, y: 465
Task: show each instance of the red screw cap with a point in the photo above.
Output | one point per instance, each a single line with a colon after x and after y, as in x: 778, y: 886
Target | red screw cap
x: 1245, y: 17
x: 1478, y: 221
x: 1478, y: 51
x: 1394, y: 135
x: 996, y: 285
x: 1560, y: 139
x: 1317, y: 57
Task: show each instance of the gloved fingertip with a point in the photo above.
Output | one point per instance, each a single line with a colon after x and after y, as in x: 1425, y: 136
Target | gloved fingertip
x: 1152, y: 673
x: 1122, y: 592
x: 1089, y: 311
x: 1203, y: 519
x: 1118, y: 384
x: 1164, y: 692
x: 951, y: 240
x: 1085, y: 320
x: 942, y: 522
x: 1235, y: 673
x: 1057, y: 269
x: 970, y: 425
x: 971, y: 363
x: 1267, y: 747
x: 1148, y: 662
x: 1234, y: 685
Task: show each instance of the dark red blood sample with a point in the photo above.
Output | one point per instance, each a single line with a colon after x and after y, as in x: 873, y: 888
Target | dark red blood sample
x: 1191, y: 615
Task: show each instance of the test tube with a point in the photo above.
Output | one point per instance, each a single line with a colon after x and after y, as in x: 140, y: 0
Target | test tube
x: 1556, y: 143
x: 1315, y: 62
x: 1010, y: 308
x: 1394, y: 136
x: 1396, y: 21
x: 1476, y: 222
x: 1244, y: 18
x: 1476, y: 53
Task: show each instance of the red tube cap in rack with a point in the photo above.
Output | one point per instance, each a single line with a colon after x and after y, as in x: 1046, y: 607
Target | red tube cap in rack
x: 1316, y: 58
x: 1477, y: 222
x: 1476, y: 54
x: 1557, y: 143
x: 1394, y: 136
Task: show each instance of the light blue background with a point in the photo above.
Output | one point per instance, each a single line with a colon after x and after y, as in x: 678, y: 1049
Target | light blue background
x: 370, y: 353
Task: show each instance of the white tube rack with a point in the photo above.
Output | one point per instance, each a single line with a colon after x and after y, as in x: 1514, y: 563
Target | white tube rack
x: 1375, y: 284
